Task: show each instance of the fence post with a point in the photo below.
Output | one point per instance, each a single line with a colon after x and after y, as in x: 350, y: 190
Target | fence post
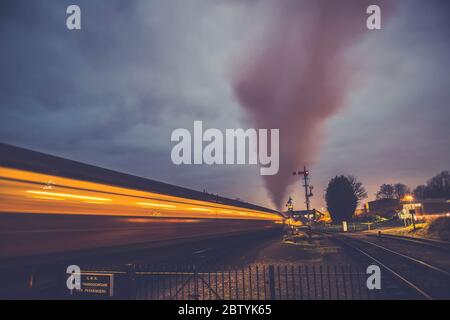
x: 130, y: 281
x: 272, y: 282
x: 196, y: 294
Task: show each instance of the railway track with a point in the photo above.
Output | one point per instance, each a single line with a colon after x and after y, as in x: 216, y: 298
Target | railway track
x: 437, y: 244
x: 404, y: 276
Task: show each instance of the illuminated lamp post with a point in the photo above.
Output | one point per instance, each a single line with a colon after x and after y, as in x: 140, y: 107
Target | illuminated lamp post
x: 290, y: 207
x: 412, y: 211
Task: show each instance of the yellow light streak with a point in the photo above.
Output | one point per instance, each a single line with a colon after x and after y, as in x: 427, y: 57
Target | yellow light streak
x: 200, y: 209
x: 96, y: 202
x: 67, y: 195
x: 156, y: 204
x: 48, y: 198
x: 17, y: 184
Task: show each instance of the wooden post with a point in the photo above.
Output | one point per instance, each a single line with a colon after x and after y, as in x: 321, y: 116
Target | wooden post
x: 272, y: 282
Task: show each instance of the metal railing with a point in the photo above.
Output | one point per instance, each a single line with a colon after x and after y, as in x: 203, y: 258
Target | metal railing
x: 255, y: 282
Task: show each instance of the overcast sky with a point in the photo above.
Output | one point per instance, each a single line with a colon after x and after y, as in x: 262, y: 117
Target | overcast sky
x: 112, y: 93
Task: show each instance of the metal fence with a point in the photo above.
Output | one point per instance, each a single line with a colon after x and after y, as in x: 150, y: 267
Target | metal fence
x: 255, y: 282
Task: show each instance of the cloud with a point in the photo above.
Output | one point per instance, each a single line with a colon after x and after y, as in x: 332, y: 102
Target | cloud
x: 112, y: 93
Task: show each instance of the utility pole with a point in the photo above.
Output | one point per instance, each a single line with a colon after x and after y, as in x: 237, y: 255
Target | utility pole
x: 308, y: 188
x: 308, y: 194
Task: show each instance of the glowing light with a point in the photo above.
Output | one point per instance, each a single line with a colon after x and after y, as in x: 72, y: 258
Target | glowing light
x: 95, y: 202
x: 67, y: 195
x: 200, y: 209
x: 48, y: 198
x: 156, y: 204
x: 91, y: 198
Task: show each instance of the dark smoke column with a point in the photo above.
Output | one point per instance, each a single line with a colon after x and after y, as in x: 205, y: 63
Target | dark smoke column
x: 297, y: 76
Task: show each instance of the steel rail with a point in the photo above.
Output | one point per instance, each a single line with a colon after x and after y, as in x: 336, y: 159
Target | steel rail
x: 407, y: 282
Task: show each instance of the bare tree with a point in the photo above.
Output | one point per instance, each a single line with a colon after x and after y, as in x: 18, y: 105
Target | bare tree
x: 419, y: 192
x: 358, y: 188
x: 436, y: 187
x: 386, y: 191
x: 401, y: 190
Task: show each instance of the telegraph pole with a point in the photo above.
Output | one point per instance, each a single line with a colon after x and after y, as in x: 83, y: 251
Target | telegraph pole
x: 308, y: 194
x: 308, y: 188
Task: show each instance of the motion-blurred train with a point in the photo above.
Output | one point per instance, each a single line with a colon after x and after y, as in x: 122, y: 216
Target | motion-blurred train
x: 50, y: 204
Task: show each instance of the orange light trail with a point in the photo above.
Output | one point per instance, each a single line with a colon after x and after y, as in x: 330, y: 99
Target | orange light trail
x: 200, y: 209
x: 66, y: 195
x: 28, y: 192
x: 156, y: 205
x: 48, y: 198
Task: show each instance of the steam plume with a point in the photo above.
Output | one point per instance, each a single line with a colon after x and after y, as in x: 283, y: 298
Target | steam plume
x: 297, y: 76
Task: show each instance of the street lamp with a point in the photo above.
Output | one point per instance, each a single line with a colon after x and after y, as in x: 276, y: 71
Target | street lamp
x: 290, y: 209
x: 412, y: 211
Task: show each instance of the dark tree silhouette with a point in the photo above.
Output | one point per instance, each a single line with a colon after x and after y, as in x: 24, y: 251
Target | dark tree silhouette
x: 392, y: 191
x: 386, y: 191
x: 358, y: 188
x: 439, y: 186
x: 401, y: 190
x: 419, y: 192
x: 342, y: 197
x: 436, y: 187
